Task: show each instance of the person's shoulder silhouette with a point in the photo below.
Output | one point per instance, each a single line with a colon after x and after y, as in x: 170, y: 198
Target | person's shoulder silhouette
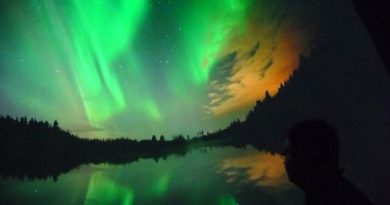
x: 311, y: 161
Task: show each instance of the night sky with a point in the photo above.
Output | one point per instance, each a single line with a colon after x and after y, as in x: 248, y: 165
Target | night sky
x: 137, y: 68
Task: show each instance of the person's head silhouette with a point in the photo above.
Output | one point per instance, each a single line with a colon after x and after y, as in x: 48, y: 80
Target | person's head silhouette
x: 311, y: 152
x: 311, y: 161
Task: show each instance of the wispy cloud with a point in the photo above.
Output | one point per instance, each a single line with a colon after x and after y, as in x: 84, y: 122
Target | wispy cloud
x: 243, y: 76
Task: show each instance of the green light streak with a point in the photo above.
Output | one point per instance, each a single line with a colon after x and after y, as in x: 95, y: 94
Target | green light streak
x: 229, y: 200
x: 152, y: 109
x: 101, y: 190
x: 161, y: 186
x: 83, y: 40
x: 101, y: 31
x: 211, y: 25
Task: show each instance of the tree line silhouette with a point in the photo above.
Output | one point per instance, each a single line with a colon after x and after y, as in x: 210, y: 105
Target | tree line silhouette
x: 344, y: 95
x: 343, y: 86
x: 35, y: 149
x: 38, y: 149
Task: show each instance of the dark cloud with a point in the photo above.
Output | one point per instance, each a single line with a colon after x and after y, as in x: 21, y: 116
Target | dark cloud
x: 266, y: 66
x: 223, y: 67
x: 254, y: 50
x: 221, y: 72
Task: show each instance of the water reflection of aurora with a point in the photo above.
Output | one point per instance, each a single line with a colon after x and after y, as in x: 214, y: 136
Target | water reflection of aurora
x: 104, y: 190
x: 108, y: 185
x: 200, y: 177
x: 165, y: 182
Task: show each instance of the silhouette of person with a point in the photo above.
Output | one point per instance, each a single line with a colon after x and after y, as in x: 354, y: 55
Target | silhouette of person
x: 311, y: 161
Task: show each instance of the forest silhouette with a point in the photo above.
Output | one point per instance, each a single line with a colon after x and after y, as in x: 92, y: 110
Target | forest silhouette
x: 37, y: 149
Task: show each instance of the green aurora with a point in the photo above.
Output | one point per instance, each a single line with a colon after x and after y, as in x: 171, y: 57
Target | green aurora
x: 140, y: 67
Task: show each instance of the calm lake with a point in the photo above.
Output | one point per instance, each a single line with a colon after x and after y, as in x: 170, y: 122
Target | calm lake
x: 220, y: 176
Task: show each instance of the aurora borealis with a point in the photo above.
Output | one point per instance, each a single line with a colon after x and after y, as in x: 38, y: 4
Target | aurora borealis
x: 108, y: 69
x: 141, y: 67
